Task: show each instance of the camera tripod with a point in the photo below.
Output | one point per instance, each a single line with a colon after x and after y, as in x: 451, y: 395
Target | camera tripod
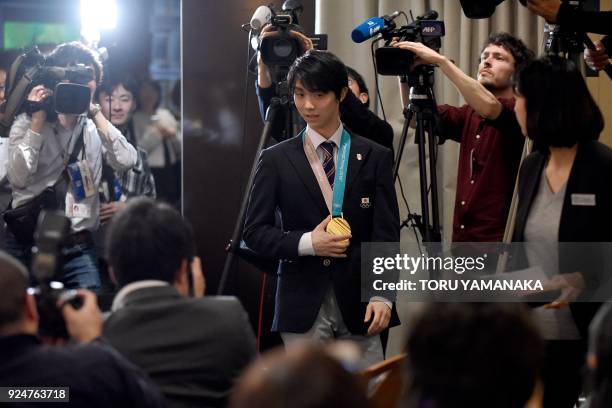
x: 422, y: 107
x: 281, y: 106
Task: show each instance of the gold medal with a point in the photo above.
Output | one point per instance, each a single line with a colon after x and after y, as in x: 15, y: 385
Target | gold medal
x: 338, y: 226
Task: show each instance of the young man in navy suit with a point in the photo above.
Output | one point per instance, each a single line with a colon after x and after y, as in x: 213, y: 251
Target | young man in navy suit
x: 333, y: 190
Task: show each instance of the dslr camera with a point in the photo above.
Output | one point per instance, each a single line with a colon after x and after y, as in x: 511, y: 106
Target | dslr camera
x: 52, y: 229
x: 426, y: 29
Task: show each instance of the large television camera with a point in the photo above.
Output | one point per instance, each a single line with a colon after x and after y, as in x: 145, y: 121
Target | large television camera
x: 425, y: 29
x: 71, y: 95
x: 51, y: 231
x: 281, y: 49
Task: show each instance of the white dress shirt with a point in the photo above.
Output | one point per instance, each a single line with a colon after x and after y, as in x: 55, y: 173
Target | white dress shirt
x: 305, y: 247
x: 37, y: 160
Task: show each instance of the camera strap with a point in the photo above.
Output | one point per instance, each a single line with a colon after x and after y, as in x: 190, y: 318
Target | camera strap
x: 78, y: 147
x: 61, y: 186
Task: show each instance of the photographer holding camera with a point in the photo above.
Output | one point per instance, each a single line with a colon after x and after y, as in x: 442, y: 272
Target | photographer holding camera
x: 96, y: 374
x: 563, y: 13
x: 573, y: 19
x: 490, y: 138
x: 57, y: 163
x: 354, y: 109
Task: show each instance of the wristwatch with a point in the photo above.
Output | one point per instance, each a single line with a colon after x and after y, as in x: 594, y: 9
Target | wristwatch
x: 94, y: 108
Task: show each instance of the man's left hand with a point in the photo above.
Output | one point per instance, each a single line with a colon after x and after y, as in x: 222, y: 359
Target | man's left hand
x: 424, y: 54
x: 598, y: 58
x: 107, y: 210
x: 380, y: 315
x: 83, y: 324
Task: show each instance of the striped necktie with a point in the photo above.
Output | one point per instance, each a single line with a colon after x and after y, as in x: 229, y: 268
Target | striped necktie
x: 328, y: 161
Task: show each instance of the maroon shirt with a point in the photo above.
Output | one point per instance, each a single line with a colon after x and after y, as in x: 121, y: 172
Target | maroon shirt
x: 488, y: 163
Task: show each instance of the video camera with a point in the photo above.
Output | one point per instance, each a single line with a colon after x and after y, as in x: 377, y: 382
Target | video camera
x: 52, y: 229
x: 281, y: 49
x: 71, y: 95
x: 425, y: 29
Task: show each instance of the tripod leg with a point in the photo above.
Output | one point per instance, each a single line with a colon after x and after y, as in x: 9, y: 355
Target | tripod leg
x: 420, y: 141
x: 436, y: 236
x: 400, y: 148
x: 271, y: 115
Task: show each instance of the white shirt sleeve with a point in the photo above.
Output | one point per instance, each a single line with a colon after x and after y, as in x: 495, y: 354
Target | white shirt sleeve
x: 305, y: 247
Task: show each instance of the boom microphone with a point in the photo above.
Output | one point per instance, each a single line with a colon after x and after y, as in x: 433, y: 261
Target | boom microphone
x: 372, y: 26
x: 261, y: 17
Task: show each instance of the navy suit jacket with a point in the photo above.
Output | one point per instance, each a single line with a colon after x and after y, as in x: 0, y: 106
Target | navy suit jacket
x: 285, y: 185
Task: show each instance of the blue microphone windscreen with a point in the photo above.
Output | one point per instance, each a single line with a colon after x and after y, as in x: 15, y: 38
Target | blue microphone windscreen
x: 368, y: 29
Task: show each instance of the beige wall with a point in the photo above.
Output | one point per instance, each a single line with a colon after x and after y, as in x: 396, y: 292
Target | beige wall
x: 601, y: 88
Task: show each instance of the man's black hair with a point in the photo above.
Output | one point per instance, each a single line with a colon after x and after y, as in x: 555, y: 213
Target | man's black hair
x: 319, y: 71
x: 148, y: 240
x: 521, y: 53
x: 560, y: 109
x: 303, y: 376
x: 13, y: 285
x: 112, y: 81
x: 473, y: 355
x: 360, y: 83
x: 72, y: 53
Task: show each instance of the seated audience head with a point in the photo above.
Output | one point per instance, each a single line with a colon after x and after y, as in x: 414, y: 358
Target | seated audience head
x: 17, y: 308
x: 303, y: 376
x: 473, y: 355
x: 150, y: 240
x: 117, y: 98
x: 357, y: 85
x: 553, y: 104
x: 600, y: 358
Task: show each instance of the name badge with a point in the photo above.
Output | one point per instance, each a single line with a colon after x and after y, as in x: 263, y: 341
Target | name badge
x: 76, y: 210
x: 587, y: 200
x: 81, y: 180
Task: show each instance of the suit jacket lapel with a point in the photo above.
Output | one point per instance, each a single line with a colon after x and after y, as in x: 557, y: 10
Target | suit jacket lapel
x: 299, y: 161
x: 528, y: 194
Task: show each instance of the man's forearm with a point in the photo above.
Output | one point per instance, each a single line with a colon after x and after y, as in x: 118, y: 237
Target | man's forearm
x: 263, y: 76
x: 475, y: 94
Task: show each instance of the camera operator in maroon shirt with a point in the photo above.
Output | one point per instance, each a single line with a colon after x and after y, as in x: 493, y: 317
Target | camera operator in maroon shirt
x: 490, y: 138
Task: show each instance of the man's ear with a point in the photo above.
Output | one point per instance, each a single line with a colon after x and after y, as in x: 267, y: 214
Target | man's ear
x: 591, y: 361
x: 181, y: 280
x: 343, y: 93
x: 30, y: 309
x: 363, y: 97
